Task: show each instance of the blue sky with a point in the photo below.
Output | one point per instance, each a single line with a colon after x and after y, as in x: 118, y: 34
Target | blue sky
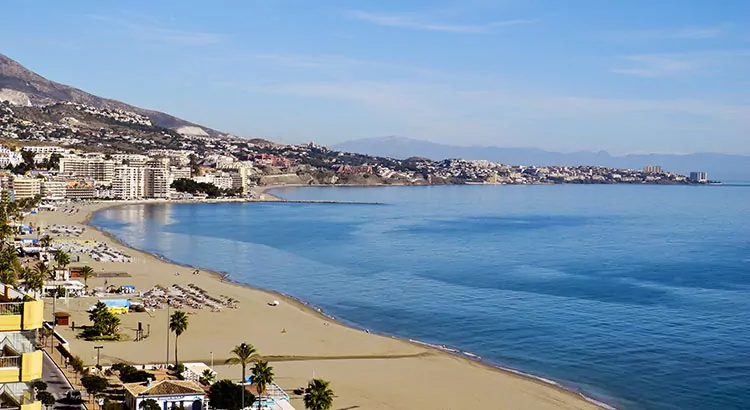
x: 619, y: 75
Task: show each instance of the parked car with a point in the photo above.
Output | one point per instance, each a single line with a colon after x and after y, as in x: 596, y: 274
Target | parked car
x: 74, y: 395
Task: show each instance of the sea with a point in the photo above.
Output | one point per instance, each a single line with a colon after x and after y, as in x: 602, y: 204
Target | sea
x: 635, y: 295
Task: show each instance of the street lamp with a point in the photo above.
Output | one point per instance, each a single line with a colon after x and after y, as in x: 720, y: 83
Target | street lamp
x: 212, y: 360
x: 98, y: 350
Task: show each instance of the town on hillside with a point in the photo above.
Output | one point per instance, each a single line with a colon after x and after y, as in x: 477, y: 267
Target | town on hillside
x: 75, y: 151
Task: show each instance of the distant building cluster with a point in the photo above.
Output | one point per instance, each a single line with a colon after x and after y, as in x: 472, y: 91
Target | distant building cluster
x: 83, y: 152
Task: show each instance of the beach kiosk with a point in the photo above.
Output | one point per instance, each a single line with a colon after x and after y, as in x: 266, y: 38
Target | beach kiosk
x: 62, y: 318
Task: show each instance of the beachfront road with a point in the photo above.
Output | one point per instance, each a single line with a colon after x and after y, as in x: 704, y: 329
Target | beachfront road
x: 57, y: 384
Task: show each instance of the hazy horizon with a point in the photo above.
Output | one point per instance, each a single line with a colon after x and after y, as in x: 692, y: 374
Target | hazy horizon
x: 622, y: 77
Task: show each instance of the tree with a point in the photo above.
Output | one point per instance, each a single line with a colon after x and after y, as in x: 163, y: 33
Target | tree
x: 77, y: 364
x: 178, y: 323
x: 94, y: 384
x: 54, y: 161
x: 45, y: 242
x: 130, y: 374
x: 149, y: 404
x: 105, y: 322
x: 62, y: 259
x: 41, y: 269
x: 46, y: 398
x: 35, y: 282
x: 262, y: 377
x: 318, y: 395
x: 243, y: 354
x: 224, y: 394
x: 46, y: 334
x: 39, y: 385
x: 86, y: 273
x: 207, y: 377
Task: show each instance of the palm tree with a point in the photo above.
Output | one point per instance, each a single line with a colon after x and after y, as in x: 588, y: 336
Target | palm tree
x: 41, y: 270
x: 36, y: 283
x: 318, y: 395
x: 62, y: 259
x: 86, y: 273
x: 262, y: 377
x: 243, y: 354
x: 24, y: 272
x: 178, y: 323
x: 208, y: 377
x: 6, y: 231
x: 45, y: 242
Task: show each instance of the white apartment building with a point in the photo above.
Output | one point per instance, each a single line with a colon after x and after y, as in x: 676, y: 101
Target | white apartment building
x: 9, y: 157
x: 45, y: 150
x: 129, y: 182
x: 54, y: 189
x: 98, y: 169
x: 26, y: 187
x: 180, y: 173
x: 130, y: 159
x: 223, y: 181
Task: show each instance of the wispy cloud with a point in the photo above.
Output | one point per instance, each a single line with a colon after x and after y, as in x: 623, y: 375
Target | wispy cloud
x: 417, y: 22
x: 657, y: 65
x: 445, y: 102
x: 156, y: 31
x: 678, y: 64
x: 683, y: 33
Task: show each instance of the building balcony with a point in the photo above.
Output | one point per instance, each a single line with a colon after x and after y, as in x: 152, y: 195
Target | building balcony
x: 23, y: 367
x: 17, y: 316
x: 18, y: 397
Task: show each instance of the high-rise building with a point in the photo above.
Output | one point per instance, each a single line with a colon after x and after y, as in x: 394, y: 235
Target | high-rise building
x: 26, y: 187
x: 157, y: 181
x: 698, y: 177
x: 129, y: 182
x: 98, y: 169
x: 652, y: 169
x: 20, y: 362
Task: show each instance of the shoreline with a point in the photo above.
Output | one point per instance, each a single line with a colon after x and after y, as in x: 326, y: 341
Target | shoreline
x: 225, y: 277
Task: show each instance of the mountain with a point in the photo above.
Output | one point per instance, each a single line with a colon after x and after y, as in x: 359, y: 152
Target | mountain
x: 724, y: 167
x: 22, y: 86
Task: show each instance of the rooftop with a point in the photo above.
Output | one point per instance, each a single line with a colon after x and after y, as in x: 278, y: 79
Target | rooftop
x: 164, y: 388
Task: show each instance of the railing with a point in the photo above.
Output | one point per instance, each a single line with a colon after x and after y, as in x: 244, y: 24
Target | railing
x: 15, y: 394
x: 11, y: 308
x: 10, y: 361
x: 19, y: 342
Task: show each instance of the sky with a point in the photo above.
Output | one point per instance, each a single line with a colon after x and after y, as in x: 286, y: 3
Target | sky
x: 626, y: 76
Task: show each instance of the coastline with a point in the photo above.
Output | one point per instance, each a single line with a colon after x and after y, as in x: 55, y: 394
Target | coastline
x: 577, y: 399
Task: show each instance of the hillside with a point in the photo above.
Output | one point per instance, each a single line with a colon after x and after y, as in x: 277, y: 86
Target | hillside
x: 22, y: 86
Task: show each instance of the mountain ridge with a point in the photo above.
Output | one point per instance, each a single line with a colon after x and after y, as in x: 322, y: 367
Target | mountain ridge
x: 729, y: 167
x: 25, y: 87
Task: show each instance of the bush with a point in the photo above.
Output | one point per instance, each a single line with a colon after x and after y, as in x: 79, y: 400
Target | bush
x: 46, y: 398
x: 225, y: 394
x: 139, y: 309
x: 179, y: 368
x: 129, y: 374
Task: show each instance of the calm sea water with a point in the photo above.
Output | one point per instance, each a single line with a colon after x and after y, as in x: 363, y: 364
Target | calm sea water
x: 637, y: 295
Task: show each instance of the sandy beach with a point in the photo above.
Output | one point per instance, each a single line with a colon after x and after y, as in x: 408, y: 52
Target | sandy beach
x: 366, y: 371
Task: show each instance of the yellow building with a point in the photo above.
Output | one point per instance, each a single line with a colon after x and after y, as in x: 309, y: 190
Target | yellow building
x: 27, y: 187
x: 20, y: 361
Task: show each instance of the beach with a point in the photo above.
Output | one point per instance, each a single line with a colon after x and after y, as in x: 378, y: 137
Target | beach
x: 366, y: 371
